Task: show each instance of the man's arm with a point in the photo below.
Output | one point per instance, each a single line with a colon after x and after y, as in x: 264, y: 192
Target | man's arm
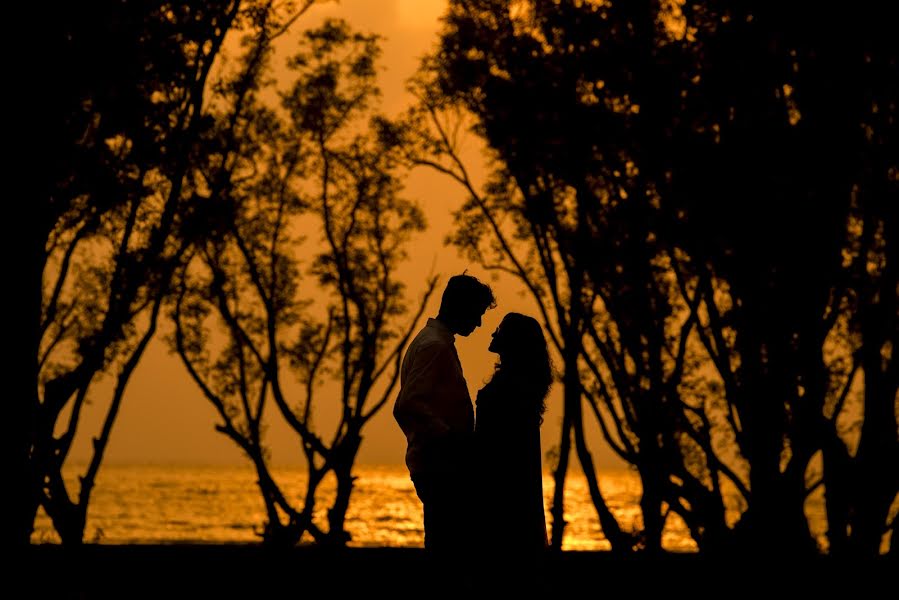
x: 414, y: 409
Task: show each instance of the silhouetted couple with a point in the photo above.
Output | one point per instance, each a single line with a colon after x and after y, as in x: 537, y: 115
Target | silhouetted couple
x: 479, y: 479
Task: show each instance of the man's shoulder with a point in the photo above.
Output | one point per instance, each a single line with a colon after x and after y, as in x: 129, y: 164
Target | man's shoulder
x: 427, y: 342
x: 430, y: 336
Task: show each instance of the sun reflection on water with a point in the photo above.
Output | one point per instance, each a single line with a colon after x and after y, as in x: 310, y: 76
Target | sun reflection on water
x: 176, y: 504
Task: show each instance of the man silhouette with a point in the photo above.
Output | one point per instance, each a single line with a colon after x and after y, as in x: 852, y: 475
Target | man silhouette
x: 435, y: 412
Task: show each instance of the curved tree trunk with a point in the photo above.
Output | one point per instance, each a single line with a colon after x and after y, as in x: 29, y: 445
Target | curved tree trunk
x: 573, y: 408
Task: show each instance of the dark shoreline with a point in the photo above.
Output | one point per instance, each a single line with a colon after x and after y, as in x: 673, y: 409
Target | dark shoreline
x: 250, y: 571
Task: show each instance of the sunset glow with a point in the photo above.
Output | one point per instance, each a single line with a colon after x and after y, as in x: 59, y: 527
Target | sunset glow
x: 419, y: 14
x: 451, y: 286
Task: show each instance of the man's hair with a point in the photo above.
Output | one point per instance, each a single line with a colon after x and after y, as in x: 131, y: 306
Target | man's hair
x: 464, y: 292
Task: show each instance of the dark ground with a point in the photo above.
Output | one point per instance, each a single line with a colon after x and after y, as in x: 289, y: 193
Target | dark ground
x: 244, y: 571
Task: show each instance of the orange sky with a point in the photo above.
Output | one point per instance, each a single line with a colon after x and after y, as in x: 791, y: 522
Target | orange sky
x: 164, y: 418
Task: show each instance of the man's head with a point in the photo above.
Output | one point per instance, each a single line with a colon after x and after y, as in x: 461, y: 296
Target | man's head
x: 465, y: 300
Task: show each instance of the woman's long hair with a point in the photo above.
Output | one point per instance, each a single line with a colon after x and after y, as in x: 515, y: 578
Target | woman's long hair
x: 525, y: 358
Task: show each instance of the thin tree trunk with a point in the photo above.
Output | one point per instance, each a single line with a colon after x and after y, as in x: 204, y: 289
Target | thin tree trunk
x: 275, y: 534
x: 876, y: 482
x: 344, y: 459
x: 651, y: 472
x: 836, y: 471
x: 18, y: 521
x: 620, y: 542
x: 557, y: 511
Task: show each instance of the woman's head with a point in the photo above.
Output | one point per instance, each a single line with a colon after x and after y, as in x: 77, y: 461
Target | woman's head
x: 523, y: 355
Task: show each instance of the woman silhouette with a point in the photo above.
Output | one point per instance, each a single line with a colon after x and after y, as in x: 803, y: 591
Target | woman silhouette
x: 509, y: 412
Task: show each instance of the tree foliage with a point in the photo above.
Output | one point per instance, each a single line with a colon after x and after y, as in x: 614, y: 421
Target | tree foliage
x: 255, y: 326
x: 105, y: 233
x: 685, y: 185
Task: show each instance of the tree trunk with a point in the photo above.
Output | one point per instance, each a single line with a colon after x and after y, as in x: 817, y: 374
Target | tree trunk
x: 778, y: 523
x: 68, y: 518
x: 18, y: 521
x: 71, y: 526
x: 837, y: 485
x: 275, y: 534
x: 715, y: 537
x: 775, y: 518
x: 893, y: 549
x: 557, y: 511
x: 651, y: 475
x: 344, y: 457
x: 652, y: 467
x: 876, y: 482
x: 573, y: 408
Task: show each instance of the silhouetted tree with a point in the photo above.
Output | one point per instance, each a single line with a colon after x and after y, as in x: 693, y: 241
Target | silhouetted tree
x: 666, y: 182
x: 798, y: 140
x: 248, y: 330
x: 122, y: 123
x: 573, y: 189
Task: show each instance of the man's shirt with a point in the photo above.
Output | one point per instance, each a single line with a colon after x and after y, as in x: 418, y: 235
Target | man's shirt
x: 433, y: 404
